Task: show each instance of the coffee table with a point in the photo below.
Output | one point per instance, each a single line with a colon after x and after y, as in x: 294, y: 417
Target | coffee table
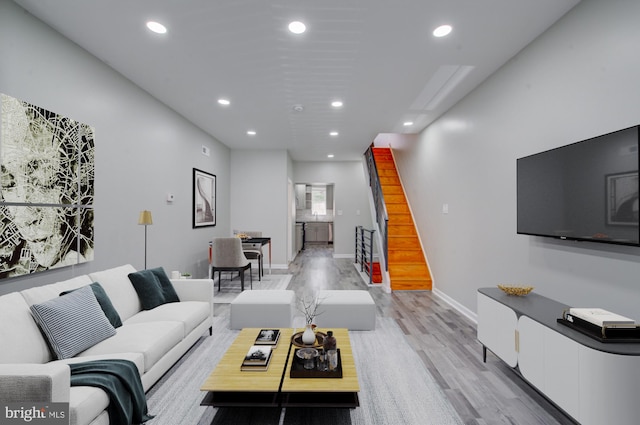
x: 228, y: 386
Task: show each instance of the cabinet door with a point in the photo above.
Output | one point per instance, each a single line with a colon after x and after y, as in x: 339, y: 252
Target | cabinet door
x: 312, y: 232
x: 609, y: 388
x: 323, y: 232
x: 562, y: 371
x: 531, y: 351
x: 497, y: 325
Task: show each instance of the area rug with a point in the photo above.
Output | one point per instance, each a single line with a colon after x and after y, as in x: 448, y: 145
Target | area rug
x: 395, y: 387
x: 229, y: 289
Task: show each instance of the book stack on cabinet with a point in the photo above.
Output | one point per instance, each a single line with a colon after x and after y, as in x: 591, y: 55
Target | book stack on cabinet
x: 601, y: 324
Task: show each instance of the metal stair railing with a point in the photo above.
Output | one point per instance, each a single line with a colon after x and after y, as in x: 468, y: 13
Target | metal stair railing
x: 382, y: 218
x: 364, y: 250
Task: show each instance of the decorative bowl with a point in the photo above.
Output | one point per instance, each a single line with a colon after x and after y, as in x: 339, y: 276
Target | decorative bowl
x: 519, y: 290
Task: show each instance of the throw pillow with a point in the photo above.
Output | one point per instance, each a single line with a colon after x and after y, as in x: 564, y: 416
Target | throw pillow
x: 168, y: 290
x: 148, y: 288
x: 72, y: 323
x: 105, y: 303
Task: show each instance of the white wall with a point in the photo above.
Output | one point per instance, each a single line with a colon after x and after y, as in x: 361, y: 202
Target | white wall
x: 350, y: 197
x: 143, y: 151
x: 576, y: 81
x: 259, y: 197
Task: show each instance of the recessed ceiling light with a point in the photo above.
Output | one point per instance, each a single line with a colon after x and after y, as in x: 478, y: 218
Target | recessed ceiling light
x: 156, y: 27
x: 298, y: 108
x: 251, y: 132
x: 330, y: 155
x: 407, y: 123
x: 333, y: 133
x: 336, y: 103
x: 224, y: 102
x: 442, y: 30
x: 297, y: 27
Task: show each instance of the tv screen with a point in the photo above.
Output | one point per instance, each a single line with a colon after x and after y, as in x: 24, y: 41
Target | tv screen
x: 583, y: 191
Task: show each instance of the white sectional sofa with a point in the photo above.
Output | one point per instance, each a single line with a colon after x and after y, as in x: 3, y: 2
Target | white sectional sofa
x: 153, y: 339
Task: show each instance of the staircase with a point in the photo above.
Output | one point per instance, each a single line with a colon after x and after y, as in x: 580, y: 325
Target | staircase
x: 408, y: 269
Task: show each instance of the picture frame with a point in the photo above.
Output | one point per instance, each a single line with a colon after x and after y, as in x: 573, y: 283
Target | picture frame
x: 622, y: 199
x: 204, y: 199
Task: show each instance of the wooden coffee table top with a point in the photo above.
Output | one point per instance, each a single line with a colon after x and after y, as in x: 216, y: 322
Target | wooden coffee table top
x: 227, y: 376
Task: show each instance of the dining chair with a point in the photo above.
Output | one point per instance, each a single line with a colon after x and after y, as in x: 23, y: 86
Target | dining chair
x: 227, y: 256
x: 253, y: 251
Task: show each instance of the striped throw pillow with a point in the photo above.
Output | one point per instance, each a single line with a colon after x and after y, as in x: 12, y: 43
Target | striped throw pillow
x: 73, y: 322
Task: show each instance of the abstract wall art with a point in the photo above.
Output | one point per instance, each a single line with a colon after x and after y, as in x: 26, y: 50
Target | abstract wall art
x: 46, y: 189
x: 204, y: 199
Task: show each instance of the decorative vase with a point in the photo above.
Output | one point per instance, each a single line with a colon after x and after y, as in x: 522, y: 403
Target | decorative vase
x: 308, y: 336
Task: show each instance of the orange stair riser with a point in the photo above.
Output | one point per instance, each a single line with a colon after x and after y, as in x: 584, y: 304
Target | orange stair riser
x: 386, y: 180
x: 392, y: 190
x: 405, y: 256
x: 416, y: 272
x: 411, y: 286
x: 388, y: 172
x: 402, y: 230
x: 394, y: 199
x: 400, y: 219
x: 405, y: 243
x: 397, y: 208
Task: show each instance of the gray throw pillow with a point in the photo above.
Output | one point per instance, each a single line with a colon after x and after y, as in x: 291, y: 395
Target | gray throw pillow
x: 105, y: 304
x: 168, y: 290
x: 72, y: 323
x: 148, y: 289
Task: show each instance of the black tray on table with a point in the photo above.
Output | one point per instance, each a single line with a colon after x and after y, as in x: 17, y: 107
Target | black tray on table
x: 298, y: 370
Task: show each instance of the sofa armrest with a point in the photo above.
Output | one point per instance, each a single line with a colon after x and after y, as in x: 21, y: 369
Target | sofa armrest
x: 35, y: 382
x: 194, y: 289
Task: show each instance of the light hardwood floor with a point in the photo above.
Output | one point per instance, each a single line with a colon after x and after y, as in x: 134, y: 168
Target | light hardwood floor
x: 482, y: 393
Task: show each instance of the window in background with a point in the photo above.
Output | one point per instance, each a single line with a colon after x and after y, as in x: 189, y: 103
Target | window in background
x: 319, y: 200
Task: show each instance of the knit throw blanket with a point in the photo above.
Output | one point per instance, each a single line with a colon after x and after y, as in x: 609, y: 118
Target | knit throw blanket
x: 121, y: 381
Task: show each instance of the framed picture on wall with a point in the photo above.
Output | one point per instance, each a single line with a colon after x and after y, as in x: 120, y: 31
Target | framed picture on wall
x: 622, y: 199
x: 204, y: 199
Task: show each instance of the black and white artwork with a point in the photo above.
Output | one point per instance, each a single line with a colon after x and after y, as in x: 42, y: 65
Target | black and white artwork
x: 46, y: 189
x: 204, y: 199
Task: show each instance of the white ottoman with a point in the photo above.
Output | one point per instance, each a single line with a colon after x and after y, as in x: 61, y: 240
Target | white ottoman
x: 263, y: 309
x: 354, y: 310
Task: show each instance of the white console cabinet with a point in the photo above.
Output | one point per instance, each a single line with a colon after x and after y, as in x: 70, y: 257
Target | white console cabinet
x: 593, y: 382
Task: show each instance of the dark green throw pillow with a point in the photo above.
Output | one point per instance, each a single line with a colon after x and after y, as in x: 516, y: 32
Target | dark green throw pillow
x: 148, y: 288
x: 168, y: 290
x: 105, y: 304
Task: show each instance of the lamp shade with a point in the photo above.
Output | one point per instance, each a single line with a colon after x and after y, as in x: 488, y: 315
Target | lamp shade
x: 145, y: 218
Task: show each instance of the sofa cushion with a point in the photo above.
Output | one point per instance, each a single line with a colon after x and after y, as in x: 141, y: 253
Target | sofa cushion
x: 105, y: 304
x: 86, y: 404
x: 73, y: 322
x: 153, y: 340
x: 189, y: 313
x: 168, y: 290
x: 20, y: 337
x: 148, y: 288
x: 40, y: 294
x: 118, y: 287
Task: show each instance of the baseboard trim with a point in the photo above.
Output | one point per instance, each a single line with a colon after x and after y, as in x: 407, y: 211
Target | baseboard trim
x: 459, y: 307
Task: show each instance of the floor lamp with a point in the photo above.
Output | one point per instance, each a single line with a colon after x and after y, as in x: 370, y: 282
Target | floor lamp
x: 145, y: 220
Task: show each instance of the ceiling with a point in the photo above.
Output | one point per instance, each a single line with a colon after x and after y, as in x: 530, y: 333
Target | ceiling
x: 378, y: 57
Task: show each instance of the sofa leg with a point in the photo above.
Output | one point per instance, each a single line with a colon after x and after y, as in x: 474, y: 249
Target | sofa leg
x: 210, y: 330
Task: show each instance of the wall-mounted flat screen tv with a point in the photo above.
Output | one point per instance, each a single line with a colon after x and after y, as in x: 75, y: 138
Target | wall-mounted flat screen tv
x: 586, y: 191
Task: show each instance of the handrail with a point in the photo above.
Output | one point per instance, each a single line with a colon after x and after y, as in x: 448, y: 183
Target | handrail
x: 382, y: 218
x: 364, y: 251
